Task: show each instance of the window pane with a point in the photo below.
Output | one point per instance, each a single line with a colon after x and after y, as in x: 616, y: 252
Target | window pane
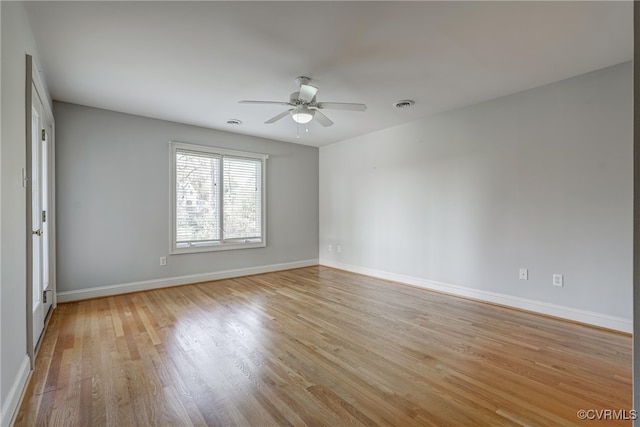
x: 197, y: 198
x: 242, y: 198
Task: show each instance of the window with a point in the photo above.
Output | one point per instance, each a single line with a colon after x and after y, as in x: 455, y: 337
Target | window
x: 218, y: 199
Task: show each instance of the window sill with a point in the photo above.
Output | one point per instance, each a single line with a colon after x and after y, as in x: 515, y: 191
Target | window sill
x: 217, y: 248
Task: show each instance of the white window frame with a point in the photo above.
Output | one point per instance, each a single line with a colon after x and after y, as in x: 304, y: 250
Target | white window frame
x: 222, y: 245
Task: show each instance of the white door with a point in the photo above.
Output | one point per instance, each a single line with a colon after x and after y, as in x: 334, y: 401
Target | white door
x: 41, y: 129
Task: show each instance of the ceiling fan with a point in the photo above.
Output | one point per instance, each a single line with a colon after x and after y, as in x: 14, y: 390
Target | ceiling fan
x: 306, y: 107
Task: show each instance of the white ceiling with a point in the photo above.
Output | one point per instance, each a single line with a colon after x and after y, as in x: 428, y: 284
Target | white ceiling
x: 191, y: 62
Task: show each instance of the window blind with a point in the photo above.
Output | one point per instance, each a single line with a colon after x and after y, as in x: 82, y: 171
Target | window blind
x: 242, y: 198
x: 197, y: 198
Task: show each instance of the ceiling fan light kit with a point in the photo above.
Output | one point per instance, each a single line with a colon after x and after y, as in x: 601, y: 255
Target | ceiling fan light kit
x: 305, y: 106
x: 302, y: 115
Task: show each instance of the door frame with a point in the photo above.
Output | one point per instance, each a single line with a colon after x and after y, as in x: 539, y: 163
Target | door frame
x: 33, y: 80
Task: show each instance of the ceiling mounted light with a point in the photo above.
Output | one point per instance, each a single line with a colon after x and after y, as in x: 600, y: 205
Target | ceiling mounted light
x: 302, y: 115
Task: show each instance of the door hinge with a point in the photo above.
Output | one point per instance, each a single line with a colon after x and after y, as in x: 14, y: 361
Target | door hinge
x: 44, y: 216
x: 44, y: 134
x: 44, y: 297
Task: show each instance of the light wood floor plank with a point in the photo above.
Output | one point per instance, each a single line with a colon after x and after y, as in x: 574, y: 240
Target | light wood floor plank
x: 318, y: 347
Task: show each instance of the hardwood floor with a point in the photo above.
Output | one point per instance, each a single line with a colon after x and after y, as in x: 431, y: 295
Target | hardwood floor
x: 318, y: 346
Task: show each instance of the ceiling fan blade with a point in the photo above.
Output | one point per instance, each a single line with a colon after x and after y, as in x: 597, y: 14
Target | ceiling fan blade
x: 307, y: 92
x: 322, y: 119
x: 264, y: 102
x: 278, y: 117
x: 341, y: 106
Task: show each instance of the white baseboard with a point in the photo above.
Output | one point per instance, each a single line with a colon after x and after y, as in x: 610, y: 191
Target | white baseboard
x: 123, y: 288
x: 583, y: 316
x: 10, y: 405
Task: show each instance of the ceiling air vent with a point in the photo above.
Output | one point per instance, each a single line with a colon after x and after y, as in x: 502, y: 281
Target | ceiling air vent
x: 234, y: 122
x: 405, y: 103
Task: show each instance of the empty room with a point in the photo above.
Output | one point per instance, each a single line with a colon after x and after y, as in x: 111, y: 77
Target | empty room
x: 316, y: 213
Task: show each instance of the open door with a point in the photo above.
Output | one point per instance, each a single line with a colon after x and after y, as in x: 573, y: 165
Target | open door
x: 41, y: 285
x: 39, y: 183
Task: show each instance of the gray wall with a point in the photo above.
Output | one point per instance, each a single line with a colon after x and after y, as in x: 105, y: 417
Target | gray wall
x: 113, y: 199
x: 540, y: 179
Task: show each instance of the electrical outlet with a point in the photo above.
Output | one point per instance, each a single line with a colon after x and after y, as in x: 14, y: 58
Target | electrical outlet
x: 339, y: 248
x: 163, y: 260
x: 558, y: 280
x: 330, y: 248
x: 524, y: 274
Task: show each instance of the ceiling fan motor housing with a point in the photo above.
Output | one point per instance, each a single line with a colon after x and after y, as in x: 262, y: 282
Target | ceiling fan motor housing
x: 294, y: 98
